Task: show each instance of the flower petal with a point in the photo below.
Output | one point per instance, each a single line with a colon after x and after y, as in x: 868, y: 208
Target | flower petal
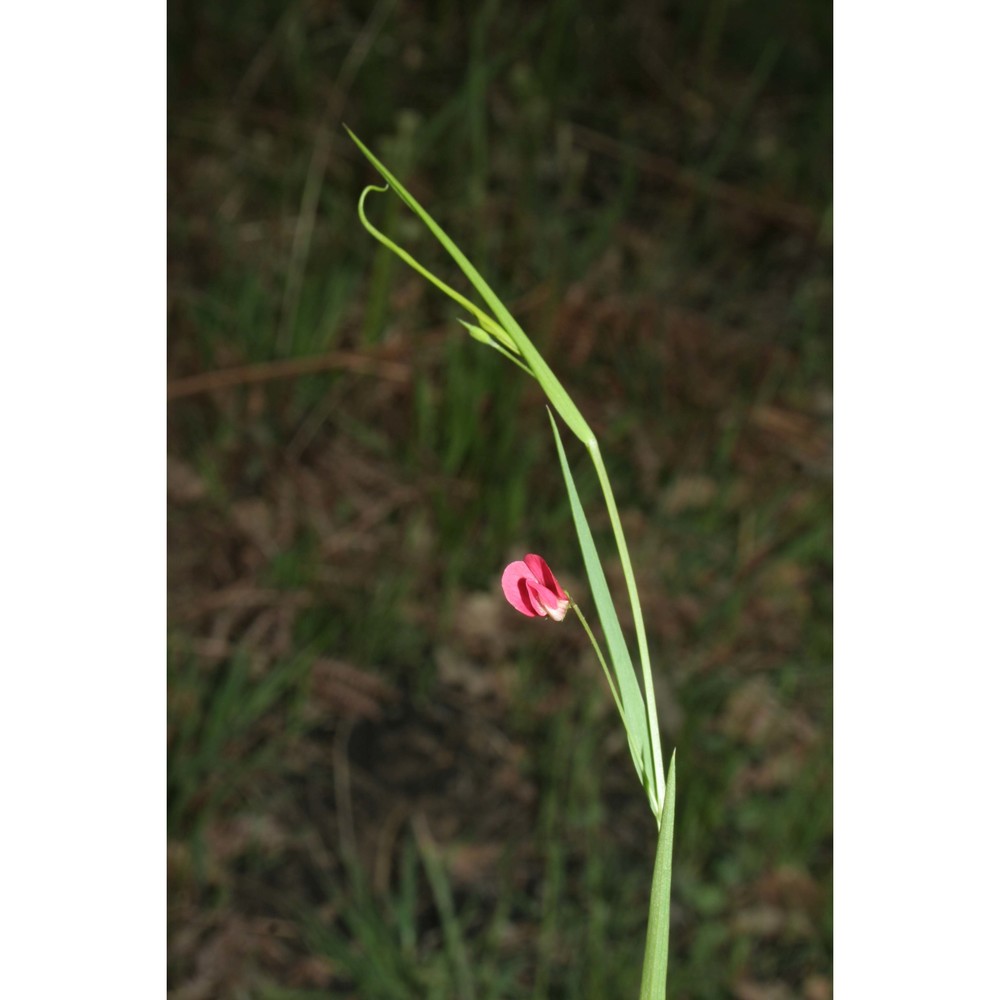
x: 540, y: 570
x: 514, y: 580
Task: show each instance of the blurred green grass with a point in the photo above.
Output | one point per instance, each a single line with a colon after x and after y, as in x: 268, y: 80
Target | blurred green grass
x: 380, y: 784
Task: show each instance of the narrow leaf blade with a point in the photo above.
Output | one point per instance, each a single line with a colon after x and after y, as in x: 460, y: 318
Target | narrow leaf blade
x: 552, y: 387
x: 621, y: 661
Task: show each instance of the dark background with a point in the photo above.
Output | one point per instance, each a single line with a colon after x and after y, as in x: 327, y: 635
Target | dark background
x: 383, y: 782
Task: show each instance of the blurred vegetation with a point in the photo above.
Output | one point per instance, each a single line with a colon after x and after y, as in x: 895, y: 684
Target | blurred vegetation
x: 382, y: 781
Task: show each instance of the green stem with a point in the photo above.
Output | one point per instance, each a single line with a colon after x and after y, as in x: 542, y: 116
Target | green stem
x: 600, y: 656
x: 656, y: 959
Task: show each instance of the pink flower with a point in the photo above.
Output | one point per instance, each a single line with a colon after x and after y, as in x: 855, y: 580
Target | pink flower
x: 531, y: 587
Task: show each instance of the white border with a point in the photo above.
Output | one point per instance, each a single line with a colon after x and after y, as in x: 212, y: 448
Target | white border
x: 82, y: 419
x: 917, y: 499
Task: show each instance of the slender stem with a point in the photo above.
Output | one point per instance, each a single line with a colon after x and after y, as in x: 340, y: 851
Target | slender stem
x: 600, y: 656
x: 655, y: 962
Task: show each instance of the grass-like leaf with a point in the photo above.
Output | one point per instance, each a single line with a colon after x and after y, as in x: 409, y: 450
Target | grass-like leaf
x: 558, y: 396
x: 633, y: 709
